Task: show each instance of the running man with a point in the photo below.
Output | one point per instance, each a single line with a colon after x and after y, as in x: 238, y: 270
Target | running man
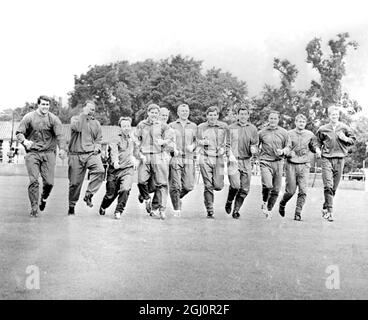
x: 121, y: 168
x: 182, y: 167
x: 84, y: 153
x: 274, y: 145
x: 298, y: 165
x: 335, y: 138
x: 243, y: 142
x: 40, y: 132
x: 151, y: 134
x: 212, y: 139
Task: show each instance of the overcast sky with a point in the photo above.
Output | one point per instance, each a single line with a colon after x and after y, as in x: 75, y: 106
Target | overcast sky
x: 45, y: 43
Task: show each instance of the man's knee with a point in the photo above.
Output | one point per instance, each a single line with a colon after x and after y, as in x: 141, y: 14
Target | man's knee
x: 243, y: 193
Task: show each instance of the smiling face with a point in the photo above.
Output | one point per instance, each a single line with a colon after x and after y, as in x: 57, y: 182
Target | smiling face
x: 164, y: 115
x: 212, y: 117
x: 300, y: 123
x: 273, y: 120
x: 153, y: 114
x: 243, y: 116
x: 89, y: 109
x: 44, y: 106
x: 125, y: 126
x: 183, y: 112
x: 334, y: 116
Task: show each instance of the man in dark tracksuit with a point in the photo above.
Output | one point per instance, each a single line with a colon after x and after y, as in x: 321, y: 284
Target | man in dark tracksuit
x: 298, y: 165
x: 243, y: 142
x: 212, y: 137
x: 84, y: 153
x: 121, y: 169
x: 152, y: 136
x: 334, y: 138
x: 40, y: 132
x: 274, y: 142
x: 182, y: 168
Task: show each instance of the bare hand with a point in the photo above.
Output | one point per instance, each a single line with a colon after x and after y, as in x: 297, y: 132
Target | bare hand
x: 62, y: 154
x: 27, y: 144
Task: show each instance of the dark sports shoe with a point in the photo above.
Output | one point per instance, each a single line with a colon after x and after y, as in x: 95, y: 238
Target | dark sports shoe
x: 102, y: 211
x: 236, y: 215
x: 140, y: 198
x: 148, y: 205
x: 71, y: 211
x: 324, y: 213
x: 34, y: 213
x: 42, y: 204
x: 88, y: 200
x: 297, y: 217
x: 210, y: 215
x: 228, y: 206
x: 282, y: 210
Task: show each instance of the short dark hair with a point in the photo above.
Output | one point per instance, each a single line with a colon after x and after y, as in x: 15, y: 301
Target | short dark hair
x: 124, y: 119
x: 300, y: 116
x: 273, y: 112
x: 242, y: 108
x: 45, y: 98
x: 153, y: 106
x: 212, y: 109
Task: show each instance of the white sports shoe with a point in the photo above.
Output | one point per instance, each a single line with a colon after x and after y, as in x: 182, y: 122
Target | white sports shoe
x: 269, y: 215
x: 176, y: 213
x: 162, y: 215
x: 155, y: 213
x: 117, y: 214
x: 264, y: 208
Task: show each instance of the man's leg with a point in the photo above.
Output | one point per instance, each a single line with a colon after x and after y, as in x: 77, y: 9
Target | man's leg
x: 33, y: 164
x: 206, y: 169
x: 328, y: 182
x: 302, y: 181
x: 234, y: 180
x: 290, y: 186
x: 96, y: 171
x: 175, y: 184
x: 187, y: 177
x: 111, y: 192
x: 76, y: 172
x: 245, y: 179
x: 266, y: 178
x: 276, y: 182
x: 161, y: 176
x: 125, y: 185
x: 47, y: 174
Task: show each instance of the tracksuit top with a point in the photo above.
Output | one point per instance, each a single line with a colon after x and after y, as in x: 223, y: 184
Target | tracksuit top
x: 241, y: 138
x: 331, y: 145
x: 302, y: 143
x: 122, y: 151
x: 184, y: 136
x: 217, y: 136
x: 271, y: 140
x: 45, y: 131
x: 147, y: 134
x: 86, y: 134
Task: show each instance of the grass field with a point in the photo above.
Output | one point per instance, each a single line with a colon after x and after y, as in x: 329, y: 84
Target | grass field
x: 96, y: 257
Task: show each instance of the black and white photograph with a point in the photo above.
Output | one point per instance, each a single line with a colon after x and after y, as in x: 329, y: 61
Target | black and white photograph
x: 199, y: 151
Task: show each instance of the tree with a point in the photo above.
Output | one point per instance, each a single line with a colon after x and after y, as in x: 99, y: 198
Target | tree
x: 127, y: 89
x: 331, y: 69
